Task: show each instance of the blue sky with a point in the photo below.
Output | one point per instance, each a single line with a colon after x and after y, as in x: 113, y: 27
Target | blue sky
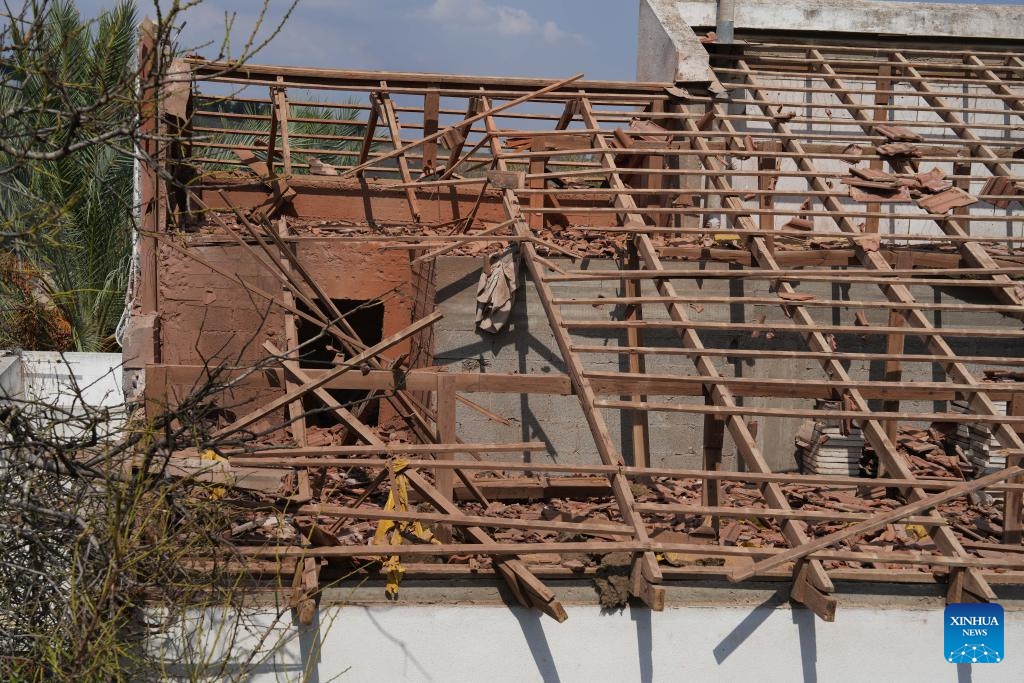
x: 485, y: 37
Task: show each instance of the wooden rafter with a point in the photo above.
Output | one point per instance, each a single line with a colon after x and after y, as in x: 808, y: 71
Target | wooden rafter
x: 720, y: 395
x: 646, y: 574
x: 875, y: 431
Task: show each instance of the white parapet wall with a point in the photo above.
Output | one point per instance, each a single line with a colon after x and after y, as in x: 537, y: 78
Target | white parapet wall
x: 64, y: 388
x: 712, y: 642
x: 882, y: 18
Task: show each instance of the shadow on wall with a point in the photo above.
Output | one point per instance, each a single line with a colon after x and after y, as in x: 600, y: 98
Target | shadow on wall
x: 532, y: 624
x: 804, y: 620
x: 533, y: 631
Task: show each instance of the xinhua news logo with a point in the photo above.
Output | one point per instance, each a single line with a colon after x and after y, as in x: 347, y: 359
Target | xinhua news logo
x: 974, y: 633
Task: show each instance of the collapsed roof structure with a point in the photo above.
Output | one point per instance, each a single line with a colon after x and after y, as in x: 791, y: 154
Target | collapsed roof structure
x: 756, y: 318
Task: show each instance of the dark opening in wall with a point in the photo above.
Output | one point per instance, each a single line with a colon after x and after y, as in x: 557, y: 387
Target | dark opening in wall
x: 367, y: 319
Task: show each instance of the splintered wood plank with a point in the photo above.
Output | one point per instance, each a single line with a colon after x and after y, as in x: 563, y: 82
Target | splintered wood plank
x: 894, y: 344
x: 879, y: 114
x: 714, y: 438
x: 314, y: 384
x: 370, y: 129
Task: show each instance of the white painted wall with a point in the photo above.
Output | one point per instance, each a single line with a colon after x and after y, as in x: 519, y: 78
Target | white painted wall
x: 69, y: 384
x: 695, y: 643
x: 959, y: 20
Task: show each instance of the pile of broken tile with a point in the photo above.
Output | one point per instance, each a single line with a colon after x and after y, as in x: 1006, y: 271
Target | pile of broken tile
x: 929, y: 453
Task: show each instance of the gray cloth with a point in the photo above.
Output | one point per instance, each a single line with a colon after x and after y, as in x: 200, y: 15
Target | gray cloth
x: 496, y: 290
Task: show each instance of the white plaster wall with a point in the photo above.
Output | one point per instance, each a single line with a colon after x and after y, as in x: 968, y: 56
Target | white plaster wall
x: 70, y: 384
x: 712, y: 643
x: 867, y: 16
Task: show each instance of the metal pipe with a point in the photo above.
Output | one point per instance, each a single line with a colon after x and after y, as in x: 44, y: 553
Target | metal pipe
x: 725, y: 14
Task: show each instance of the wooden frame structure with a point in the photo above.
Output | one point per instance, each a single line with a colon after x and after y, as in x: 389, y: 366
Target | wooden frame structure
x: 742, y: 180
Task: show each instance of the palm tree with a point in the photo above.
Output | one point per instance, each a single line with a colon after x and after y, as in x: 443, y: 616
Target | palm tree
x: 67, y: 221
x: 310, y: 126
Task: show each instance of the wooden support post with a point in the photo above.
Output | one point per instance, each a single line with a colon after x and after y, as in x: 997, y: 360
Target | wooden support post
x: 537, y: 166
x: 638, y: 419
x: 371, y: 128
x: 1013, y: 525
x: 766, y: 201
x: 880, y: 115
x: 653, y: 181
x: 691, y: 184
x: 894, y: 345
x: 714, y: 439
x: 431, y: 107
x: 444, y: 479
x: 281, y: 113
x: 390, y: 116
x: 272, y: 134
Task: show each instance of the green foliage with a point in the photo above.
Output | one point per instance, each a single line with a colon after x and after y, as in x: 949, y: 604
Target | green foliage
x: 66, y: 171
x: 310, y: 126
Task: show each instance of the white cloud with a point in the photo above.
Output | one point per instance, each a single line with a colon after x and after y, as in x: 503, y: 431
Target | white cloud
x: 511, y: 22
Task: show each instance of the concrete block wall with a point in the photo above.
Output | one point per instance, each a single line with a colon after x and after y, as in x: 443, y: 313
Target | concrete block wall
x: 207, y: 317
x: 528, y: 347
x: 967, y: 97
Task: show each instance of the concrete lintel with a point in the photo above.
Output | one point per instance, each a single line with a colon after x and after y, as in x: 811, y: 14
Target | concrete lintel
x: 919, y: 19
x: 668, y: 51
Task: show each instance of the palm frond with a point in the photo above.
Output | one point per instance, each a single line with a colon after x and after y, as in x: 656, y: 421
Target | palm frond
x: 77, y: 209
